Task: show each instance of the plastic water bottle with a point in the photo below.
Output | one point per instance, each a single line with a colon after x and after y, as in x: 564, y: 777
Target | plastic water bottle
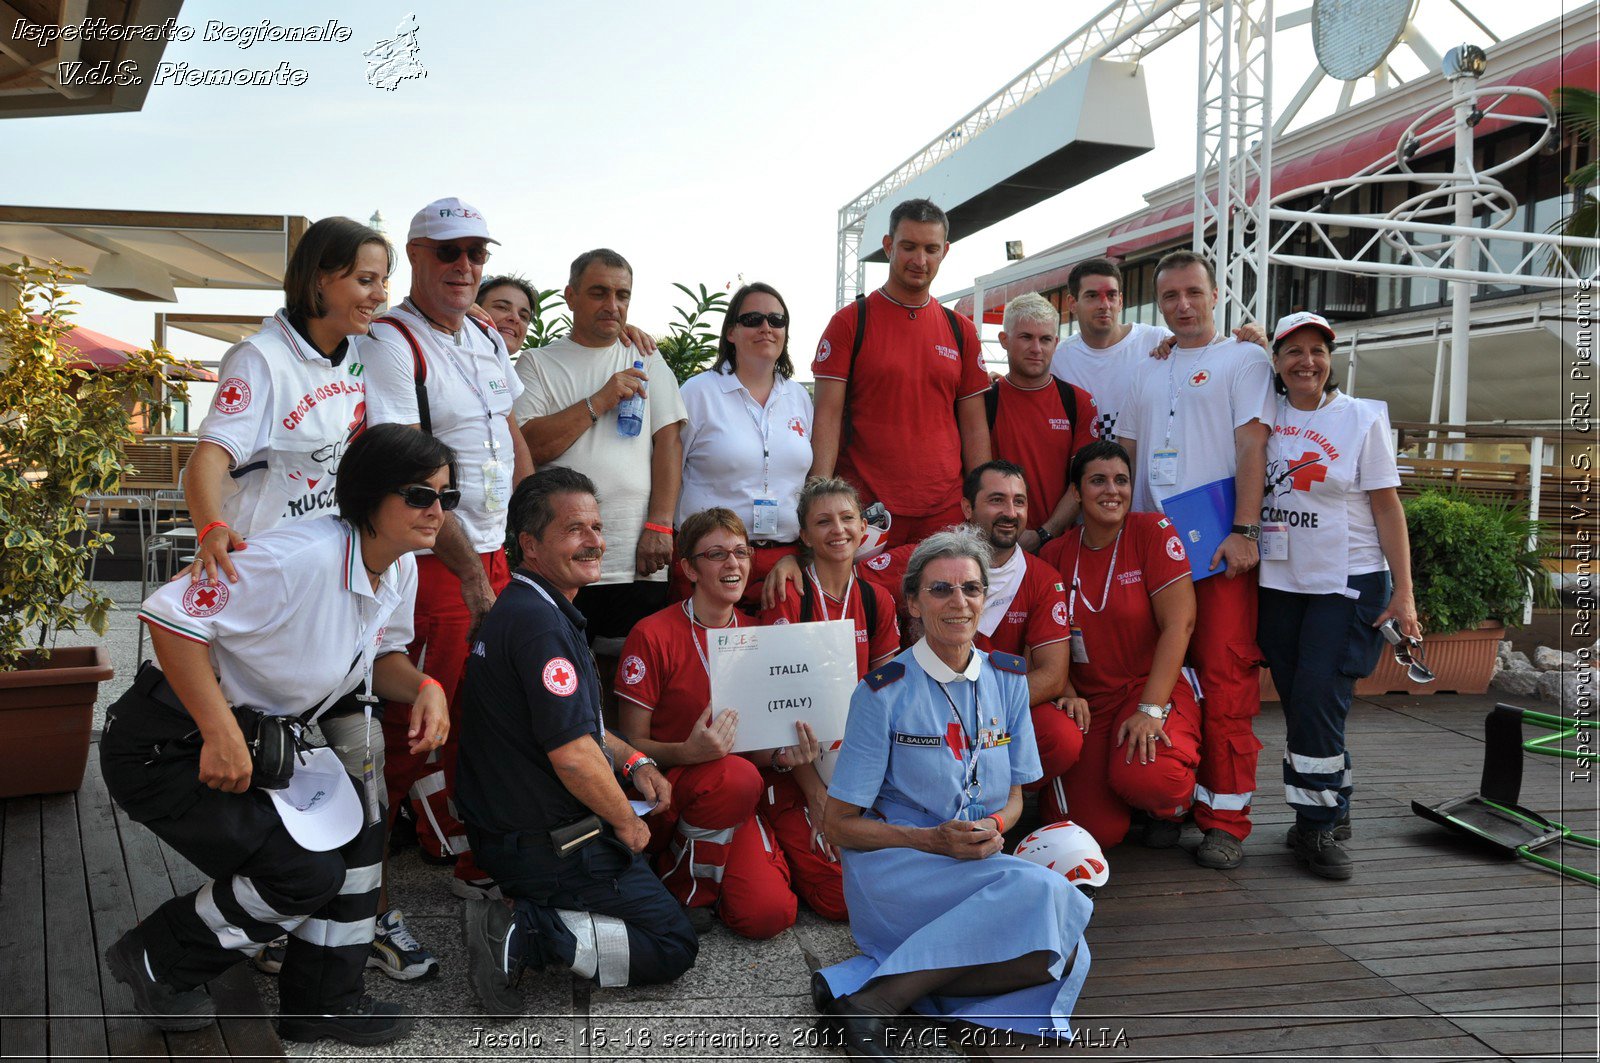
x: 630, y: 412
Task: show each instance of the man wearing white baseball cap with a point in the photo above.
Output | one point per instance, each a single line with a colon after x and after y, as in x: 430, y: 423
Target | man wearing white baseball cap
x: 437, y: 369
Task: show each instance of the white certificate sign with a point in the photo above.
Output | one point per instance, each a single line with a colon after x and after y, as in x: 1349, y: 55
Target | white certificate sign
x: 776, y: 676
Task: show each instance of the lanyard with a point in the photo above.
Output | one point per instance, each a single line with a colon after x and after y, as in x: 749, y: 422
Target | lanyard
x: 1172, y: 384
x: 822, y: 595
x: 762, y: 419
x: 1105, y: 595
x: 450, y: 357
x: 974, y: 788
x: 688, y: 608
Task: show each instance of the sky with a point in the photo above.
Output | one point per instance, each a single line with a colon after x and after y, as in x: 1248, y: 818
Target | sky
x: 709, y: 141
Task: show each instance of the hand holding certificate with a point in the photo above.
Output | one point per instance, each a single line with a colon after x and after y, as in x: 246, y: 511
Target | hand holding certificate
x: 777, y: 676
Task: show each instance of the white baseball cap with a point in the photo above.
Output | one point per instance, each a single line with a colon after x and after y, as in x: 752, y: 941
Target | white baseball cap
x: 446, y: 219
x: 1304, y: 319
x: 320, y: 807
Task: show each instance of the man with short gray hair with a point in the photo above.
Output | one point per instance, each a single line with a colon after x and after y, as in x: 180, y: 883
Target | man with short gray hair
x: 1038, y: 421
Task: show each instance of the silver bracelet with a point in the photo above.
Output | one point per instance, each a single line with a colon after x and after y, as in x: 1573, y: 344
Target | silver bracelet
x: 594, y: 418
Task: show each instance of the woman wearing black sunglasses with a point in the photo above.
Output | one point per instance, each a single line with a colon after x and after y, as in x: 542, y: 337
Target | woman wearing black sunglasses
x: 937, y: 747
x: 319, y: 618
x: 747, y: 444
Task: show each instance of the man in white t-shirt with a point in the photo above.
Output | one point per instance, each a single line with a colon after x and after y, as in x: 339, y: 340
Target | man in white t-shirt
x: 1201, y: 415
x: 571, y: 391
x: 1101, y: 356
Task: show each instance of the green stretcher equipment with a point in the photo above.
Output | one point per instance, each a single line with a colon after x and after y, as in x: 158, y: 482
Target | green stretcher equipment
x: 1493, y: 814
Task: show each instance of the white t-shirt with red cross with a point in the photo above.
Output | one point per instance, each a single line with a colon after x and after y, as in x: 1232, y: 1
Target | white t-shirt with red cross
x: 1191, y: 402
x: 1107, y: 374
x: 663, y: 669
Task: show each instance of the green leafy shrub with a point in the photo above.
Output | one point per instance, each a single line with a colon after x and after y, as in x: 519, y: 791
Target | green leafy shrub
x: 61, y: 436
x: 1470, y: 560
x: 690, y: 344
x: 548, y: 325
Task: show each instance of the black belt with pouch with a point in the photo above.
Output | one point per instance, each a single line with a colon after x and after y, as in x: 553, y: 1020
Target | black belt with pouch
x: 564, y: 840
x: 273, y: 741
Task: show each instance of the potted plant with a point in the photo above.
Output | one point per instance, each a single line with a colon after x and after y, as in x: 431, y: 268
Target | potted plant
x: 62, y: 430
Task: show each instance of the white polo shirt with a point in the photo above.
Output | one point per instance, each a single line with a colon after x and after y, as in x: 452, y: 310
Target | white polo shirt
x: 284, y: 413
x: 735, y: 450
x: 1193, y: 401
x: 565, y: 372
x: 470, y: 389
x: 1107, y: 374
x: 302, y: 623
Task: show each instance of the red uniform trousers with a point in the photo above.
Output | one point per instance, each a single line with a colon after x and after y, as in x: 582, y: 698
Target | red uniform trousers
x: 1060, y: 743
x: 679, y: 587
x: 818, y: 880
x: 1223, y: 651
x: 712, y: 850
x: 1098, y: 794
x: 441, y: 622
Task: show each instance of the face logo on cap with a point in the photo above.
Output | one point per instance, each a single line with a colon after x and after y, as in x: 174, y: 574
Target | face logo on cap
x: 1058, y: 613
x: 632, y: 670
x: 560, y: 678
x: 458, y: 212
x: 1175, y: 549
x: 823, y: 350
x: 233, y: 396
x: 1199, y: 378
x: 879, y: 563
x: 205, y: 598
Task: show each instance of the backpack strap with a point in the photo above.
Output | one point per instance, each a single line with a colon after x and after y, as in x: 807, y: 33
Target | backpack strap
x: 991, y: 403
x: 955, y: 327
x: 808, y: 599
x: 869, y: 607
x: 1069, y: 401
x: 419, y: 369
x: 855, y: 352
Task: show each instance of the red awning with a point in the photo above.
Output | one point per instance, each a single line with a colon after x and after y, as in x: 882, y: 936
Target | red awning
x: 96, y: 350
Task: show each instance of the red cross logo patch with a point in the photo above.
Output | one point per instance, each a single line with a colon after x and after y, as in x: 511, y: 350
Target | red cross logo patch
x: 1307, y: 471
x: 560, y: 678
x: 1175, y: 549
x: 205, y: 598
x: 632, y: 670
x: 797, y: 426
x: 823, y: 350
x: 1199, y: 378
x: 233, y: 396
x: 1058, y: 613
x: 879, y: 563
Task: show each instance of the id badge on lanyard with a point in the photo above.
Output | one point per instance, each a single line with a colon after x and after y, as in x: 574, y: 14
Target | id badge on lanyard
x: 765, y: 525
x: 1080, y: 652
x: 1274, y: 542
x: 1164, y: 466
x: 495, y: 482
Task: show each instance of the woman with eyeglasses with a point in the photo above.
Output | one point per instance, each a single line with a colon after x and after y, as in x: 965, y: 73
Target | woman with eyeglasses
x: 321, y: 614
x: 938, y: 745
x: 747, y: 444
x: 1130, y: 608
x: 713, y: 853
x: 1335, y: 567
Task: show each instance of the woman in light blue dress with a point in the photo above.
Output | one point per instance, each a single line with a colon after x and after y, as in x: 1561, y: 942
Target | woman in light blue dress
x: 938, y: 745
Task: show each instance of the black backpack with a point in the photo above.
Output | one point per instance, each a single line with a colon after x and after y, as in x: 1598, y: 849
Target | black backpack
x: 855, y: 352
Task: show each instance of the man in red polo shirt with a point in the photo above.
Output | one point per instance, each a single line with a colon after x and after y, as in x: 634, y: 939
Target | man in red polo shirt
x: 899, y: 403
x: 1036, y: 420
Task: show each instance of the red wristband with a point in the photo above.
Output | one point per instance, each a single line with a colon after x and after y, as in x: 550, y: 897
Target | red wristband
x: 209, y: 528
x: 424, y: 684
x: 1000, y: 824
x: 661, y: 528
x: 627, y: 768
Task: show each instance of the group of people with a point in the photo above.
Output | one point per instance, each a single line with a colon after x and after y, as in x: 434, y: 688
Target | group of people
x: 1026, y: 618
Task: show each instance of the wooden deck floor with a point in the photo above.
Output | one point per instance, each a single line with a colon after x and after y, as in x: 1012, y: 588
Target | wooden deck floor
x: 1436, y: 950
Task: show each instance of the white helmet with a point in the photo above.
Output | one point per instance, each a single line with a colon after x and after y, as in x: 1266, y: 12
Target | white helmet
x: 1069, y: 849
x: 877, y: 520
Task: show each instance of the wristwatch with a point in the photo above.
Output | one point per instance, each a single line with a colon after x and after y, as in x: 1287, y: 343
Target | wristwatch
x: 780, y: 768
x: 1044, y: 534
x: 633, y: 766
x: 1249, y: 531
x: 1157, y: 712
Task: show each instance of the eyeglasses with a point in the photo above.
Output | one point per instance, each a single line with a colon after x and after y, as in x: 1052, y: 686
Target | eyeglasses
x: 942, y: 590
x: 754, y: 319
x: 448, y: 253
x: 718, y: 554
x: 1407, y: 652
x: 421, y: 496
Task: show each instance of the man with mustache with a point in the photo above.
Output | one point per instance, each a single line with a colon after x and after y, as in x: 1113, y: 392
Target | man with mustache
x: 1036, y: 420
x: 539, y: 785
x: 567, y: 410
x: 900, y: 383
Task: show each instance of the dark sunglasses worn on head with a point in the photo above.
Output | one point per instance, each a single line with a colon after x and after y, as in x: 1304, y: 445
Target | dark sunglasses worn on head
x: 754, y: 319
x: 421, y: 496
x: 448, y: 253
x: 942, y: 590
x: 718, y: 555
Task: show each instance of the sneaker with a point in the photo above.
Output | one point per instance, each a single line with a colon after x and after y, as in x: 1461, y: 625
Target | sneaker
x: 371, y: 1022
x: 1322, y: 854
x: 270, y: 959
x: 398, y: 954
x: 1341, y: 831
x: 1162, y: 833
x: 159, y: 1004
x: 494, y: 955
x: 1219, y: 850
x: 702, y: 918
x: 477, y: 889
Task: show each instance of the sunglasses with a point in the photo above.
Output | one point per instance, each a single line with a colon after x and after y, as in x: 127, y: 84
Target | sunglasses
x: 1407, y: 652
x: 718, y: 554
x: 448, y: 253
x: 942, y: 590
x: 754, y: 319
x: 421, y: 496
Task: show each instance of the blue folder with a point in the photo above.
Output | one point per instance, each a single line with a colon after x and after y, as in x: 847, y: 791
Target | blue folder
x: 1203, y: 516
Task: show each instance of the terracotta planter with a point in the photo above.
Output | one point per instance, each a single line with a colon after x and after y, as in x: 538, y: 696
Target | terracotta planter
x: 46, y: 715
x: 1462, y: 663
